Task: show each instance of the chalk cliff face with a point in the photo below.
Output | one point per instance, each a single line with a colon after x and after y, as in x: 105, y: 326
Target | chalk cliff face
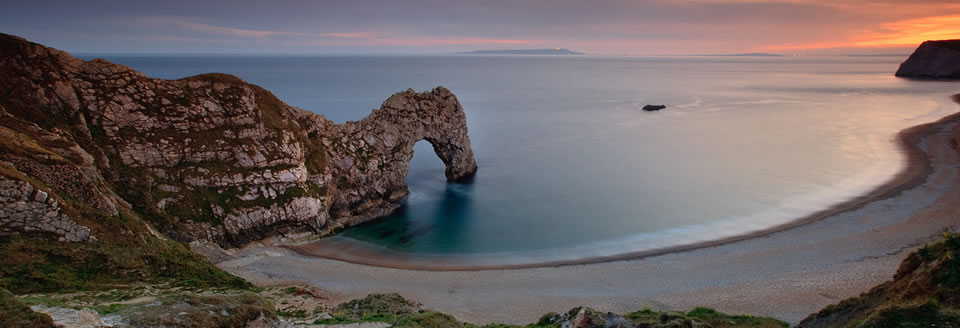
x: 933, y: 59
x: 207, y: 157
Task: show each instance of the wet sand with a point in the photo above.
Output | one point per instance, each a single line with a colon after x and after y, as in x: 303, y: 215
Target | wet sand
x: 786, y: 272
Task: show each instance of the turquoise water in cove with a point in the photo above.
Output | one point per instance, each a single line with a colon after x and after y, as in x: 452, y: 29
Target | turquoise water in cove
x: 571, y: 167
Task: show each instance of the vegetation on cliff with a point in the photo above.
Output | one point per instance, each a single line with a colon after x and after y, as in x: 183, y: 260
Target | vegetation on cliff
x: 193, y: 310
x: 30, y: 265
x: 14, y: 313
x: 125, y: 248
x: 399, y: 312
x: 925, y: 292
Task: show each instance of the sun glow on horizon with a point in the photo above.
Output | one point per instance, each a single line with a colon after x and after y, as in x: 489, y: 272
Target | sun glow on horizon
x: 914, y: 31
x: 667, y: 27
x: 901, y: 33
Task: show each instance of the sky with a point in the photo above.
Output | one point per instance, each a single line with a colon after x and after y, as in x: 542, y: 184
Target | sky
x: 664, y: 27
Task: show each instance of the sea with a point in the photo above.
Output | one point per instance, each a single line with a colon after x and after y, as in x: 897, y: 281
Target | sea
x: 572, y: 168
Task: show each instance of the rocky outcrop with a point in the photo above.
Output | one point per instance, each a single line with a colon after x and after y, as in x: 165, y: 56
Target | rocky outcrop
x: 652, y: 108
x: 210, y: 157
x: 933, y: 59
x: 25, y: 208
x: 924, y: 292
x: 182, y: 309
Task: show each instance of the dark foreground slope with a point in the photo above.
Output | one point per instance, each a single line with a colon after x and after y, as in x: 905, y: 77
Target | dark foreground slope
x: 933, y: 60
x: 394, y: 310
x: 925, y: 292
x: 14, y: 313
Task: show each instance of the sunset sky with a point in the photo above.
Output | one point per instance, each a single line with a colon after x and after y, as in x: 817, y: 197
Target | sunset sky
x: 433, y: 26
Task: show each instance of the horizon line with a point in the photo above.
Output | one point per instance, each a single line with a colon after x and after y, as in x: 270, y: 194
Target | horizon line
x: 376, y: 54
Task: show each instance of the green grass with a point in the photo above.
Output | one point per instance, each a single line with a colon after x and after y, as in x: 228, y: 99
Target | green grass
x: 32, y: 264
x: 298, y: 313
x: 45, y: 300
x: 395, y: 310
x: 108, y: 309
x: 718, y: 319
x: 926, y: 315
x: 14, y: 313
x: 950, y: 275
x: 924, y: 293
x: 389, y: 308
x: 424, y: 319
x: 199, y: 311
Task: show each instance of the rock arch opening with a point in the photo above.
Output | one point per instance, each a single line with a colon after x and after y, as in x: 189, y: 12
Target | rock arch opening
x: 426, y: 174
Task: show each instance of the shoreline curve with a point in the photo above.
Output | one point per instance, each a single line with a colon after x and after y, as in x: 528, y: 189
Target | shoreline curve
x: 916, y: 171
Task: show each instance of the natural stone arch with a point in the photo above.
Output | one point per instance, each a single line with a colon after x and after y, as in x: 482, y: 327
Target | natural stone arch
x: 377, y: 160
x: 211, y: 157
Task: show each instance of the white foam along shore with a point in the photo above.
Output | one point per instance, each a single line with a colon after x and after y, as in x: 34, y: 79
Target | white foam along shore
x: 787, y: 272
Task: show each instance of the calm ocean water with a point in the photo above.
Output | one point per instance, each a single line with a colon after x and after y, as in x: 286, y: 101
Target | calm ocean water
x: 571, y: 167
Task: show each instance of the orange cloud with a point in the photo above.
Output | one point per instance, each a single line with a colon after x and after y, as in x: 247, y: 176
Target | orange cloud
x: 805, y: 46
x: 907, y: 32
x: 914, y: 31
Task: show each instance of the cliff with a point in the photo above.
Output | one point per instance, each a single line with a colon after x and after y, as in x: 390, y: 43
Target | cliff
x: 925, y: 292
x: 208, y: 157
x: 933, y: 59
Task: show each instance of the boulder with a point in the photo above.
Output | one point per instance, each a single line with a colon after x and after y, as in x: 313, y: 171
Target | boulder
x: 651, y: 108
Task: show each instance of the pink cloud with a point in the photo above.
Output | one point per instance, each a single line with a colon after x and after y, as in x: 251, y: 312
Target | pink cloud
x: 441, y: 41
x: 360, y: 35
x: 371, y: 39
x: 214, y: 29
x: 322, y: 38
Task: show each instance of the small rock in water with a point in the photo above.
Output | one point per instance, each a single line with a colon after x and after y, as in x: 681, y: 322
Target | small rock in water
x: 651, y: 108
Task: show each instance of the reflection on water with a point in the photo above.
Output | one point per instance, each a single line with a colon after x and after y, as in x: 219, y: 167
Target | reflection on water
x: 437, y: 221
x: 435, y: 213
x: 571, y: 166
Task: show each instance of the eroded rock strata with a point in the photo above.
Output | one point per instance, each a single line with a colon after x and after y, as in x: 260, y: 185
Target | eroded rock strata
x: 933, y: 60
x: 207, y: 157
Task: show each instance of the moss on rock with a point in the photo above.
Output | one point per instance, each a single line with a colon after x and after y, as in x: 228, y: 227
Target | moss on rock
x: 925, y: 292
x: 188, y: 310
x: 30, y: 264
x: 14, y: 313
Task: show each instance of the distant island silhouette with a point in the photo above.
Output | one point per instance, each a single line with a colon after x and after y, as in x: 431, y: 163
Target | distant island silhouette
x: 553, y: 51
x: 752, y: 54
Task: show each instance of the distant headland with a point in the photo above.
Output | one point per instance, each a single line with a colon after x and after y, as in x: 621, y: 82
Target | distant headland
x: 933, y: 60
x: 751, y: 54
x: 552, y: 51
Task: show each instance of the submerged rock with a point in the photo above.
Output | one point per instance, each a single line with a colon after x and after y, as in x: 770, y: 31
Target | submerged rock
x: 934, y: 60
x: 651, y: 108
